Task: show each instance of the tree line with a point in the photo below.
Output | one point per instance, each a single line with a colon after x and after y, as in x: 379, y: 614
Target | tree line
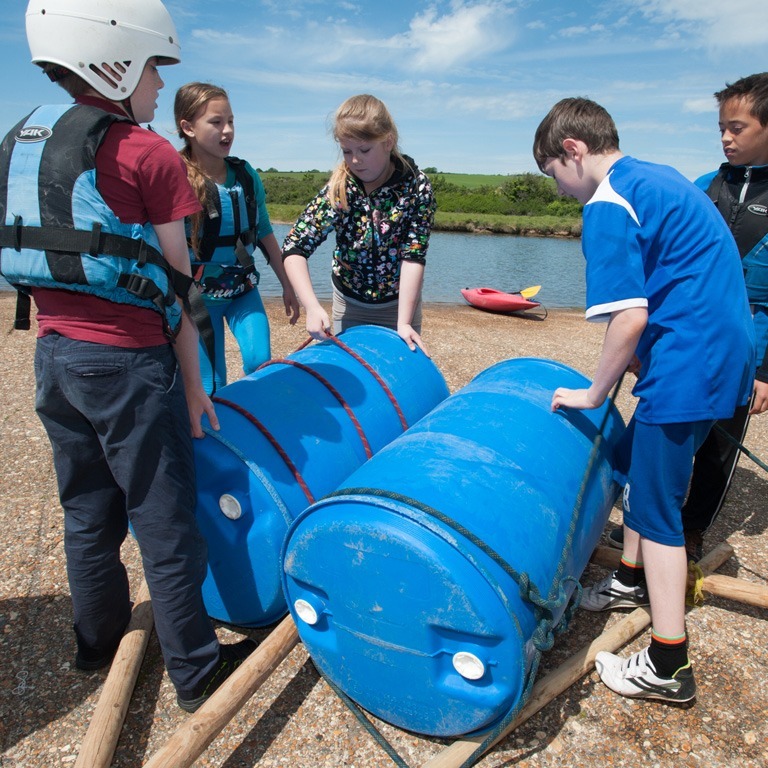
x: 526, y: 194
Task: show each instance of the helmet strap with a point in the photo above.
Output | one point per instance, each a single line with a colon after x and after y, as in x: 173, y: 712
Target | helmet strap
x: 126, y: 104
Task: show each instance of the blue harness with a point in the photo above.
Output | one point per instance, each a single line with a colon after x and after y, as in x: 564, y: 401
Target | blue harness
x: 223, y: 266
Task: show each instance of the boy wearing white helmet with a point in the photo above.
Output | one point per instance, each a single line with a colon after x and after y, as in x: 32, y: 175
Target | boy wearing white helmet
x: 92, y: 211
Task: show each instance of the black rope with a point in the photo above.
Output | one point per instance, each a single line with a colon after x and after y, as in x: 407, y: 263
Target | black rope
x: 741, y: 447
x: 543, y: 636
x: 509, y: 718
x: 362, y: 718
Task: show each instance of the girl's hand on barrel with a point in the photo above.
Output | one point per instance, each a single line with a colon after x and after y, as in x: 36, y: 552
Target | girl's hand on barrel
x: 411, y: 338
x: 318, y: 323
x: 582, y: 399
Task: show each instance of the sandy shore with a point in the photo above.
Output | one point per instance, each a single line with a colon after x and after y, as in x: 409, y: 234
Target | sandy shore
x: 294, y: 720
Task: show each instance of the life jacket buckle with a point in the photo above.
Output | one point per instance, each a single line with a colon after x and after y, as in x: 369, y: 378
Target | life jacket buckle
x: 17, y: 225
x: 139, y: 286
x: 95, y: 246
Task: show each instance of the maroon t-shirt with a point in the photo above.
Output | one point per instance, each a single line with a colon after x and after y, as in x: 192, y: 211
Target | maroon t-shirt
x: 142, y: 179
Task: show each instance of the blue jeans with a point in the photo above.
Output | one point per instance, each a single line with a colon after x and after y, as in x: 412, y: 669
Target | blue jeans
x: 118, y: 424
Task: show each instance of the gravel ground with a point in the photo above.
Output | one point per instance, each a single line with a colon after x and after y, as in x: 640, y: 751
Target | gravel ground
x: 294, y: 719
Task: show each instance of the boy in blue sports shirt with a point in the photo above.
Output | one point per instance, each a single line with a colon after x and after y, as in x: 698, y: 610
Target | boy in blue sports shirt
x: 739, y: 189
x: 659, y: 256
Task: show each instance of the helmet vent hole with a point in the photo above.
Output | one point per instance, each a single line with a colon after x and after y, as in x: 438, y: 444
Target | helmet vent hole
x: 106, y: 74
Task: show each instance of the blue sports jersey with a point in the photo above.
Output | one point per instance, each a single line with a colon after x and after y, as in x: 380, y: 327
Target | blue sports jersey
x: 652, y: 239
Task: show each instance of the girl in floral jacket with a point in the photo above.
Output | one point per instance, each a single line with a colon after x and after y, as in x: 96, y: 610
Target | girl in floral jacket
x: 382, y: 208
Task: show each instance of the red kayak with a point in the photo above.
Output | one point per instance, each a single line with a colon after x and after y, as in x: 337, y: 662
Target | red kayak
x: 492, y: 300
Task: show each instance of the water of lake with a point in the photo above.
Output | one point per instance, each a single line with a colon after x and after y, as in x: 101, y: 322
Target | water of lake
x: 457, y: 260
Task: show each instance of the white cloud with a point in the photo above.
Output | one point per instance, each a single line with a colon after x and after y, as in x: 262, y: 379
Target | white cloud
x: 470, y: 32
x: 491, y: 107
x: 434, y: 41
x: 717, y: 24
x: 700, y: 106
x: 577, y: 31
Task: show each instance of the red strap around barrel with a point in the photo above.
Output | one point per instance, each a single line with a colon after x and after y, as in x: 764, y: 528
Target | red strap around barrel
x: 273, y: 442
x: 335, y: 392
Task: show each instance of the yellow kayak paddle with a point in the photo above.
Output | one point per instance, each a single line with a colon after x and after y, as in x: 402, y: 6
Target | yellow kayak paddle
x: 527, y: 293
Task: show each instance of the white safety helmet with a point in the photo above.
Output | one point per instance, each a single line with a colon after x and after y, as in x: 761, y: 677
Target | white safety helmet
x: 106, y: 42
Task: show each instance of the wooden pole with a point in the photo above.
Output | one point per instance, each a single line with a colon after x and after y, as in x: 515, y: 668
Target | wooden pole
x: 189, y: 741
x: 569, y: 672
x: 741, y: 591
x: 100, y: 740
x: 737, y: 589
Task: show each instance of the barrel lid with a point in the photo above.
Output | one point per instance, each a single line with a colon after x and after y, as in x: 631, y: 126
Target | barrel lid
x: 402, y: 616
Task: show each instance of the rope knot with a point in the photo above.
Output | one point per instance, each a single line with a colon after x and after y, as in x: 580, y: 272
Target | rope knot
x: 694, y: 594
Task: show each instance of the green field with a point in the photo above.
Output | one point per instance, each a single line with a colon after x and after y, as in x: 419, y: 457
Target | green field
x: 474, y: 180
x: 521, y: 204
x: 469, y: 180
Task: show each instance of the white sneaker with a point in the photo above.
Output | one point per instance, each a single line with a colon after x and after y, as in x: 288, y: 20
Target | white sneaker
x: 636, y: 678
x: 610, y: 593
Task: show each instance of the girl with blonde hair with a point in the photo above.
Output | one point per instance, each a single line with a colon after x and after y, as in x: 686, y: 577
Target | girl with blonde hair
x: 381, y: 207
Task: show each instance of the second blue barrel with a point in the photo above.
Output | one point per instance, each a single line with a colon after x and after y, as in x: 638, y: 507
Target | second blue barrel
x: 290, y: 433
x: 394, y: 580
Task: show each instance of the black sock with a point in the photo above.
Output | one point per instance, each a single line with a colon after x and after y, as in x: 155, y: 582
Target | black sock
x: 668, y: 654
x: 630, y: 574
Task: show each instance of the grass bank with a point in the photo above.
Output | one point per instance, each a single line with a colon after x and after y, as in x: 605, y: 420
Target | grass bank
x: 481, y: 223
x: 520, y: 204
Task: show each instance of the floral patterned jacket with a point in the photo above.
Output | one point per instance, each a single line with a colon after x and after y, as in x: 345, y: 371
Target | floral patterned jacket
x: 374, y: 236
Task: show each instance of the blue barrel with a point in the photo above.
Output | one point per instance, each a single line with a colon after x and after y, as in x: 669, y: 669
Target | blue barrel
x: 290, y: 433
x: 393, y: 580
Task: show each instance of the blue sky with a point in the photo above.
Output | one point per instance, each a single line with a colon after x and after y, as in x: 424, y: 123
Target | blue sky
x: 467, y: 80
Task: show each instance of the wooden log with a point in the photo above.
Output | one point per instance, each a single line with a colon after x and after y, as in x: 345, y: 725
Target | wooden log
x: 578, y: 665
x: 190, y: 740
x: 737, y: 589
x: 100, y: 740
x: 609, y: 557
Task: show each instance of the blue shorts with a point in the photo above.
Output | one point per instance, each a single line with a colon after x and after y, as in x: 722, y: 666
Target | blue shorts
x: 660, y: 461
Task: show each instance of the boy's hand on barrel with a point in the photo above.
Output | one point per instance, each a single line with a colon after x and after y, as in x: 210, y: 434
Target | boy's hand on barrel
x: 583, y: 399
x: 760, y: 403
x: 198, y: 404
x: 634, y: 365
